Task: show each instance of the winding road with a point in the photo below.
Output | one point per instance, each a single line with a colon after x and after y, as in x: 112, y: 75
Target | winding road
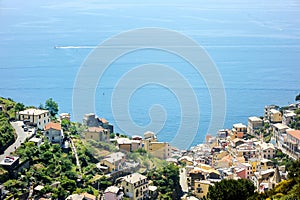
x: 21, y: 137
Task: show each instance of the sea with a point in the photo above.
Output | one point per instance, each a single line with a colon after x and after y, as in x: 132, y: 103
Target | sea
x: 253, y: 45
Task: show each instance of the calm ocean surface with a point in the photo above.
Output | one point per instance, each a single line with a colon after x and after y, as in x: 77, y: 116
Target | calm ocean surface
x: 255, y: 46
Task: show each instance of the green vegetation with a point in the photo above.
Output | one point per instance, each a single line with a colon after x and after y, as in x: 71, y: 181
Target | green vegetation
x: 281, y: 159
x: 230, y: 189
x: 52, y: 106
x: 7, y: 133
x: 48, y: 164
x: 167, y: 181
x: 296, y: 122
x: 297, y: 98
x: 297, y: 111
x: 146, y: 160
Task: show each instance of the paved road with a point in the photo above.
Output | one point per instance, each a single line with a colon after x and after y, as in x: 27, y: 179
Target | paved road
x: 183, y: 180
x: 21, y: 137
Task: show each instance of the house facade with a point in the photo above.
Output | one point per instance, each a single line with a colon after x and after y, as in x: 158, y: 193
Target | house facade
x: 113, y: 162
x: 54, y: 133
x: 267, y: 150
x: 279, y: 132
x: 92, y: 120
x: 201, y: 188
x: 161, y: 150
x: 288, y: 117
x: 275, y: 116
x: 98, y: 134
x: 135, y: 186
x: 125, y: 144
x: 238, y: 130
x: 36, y: 117
x: 113, y: 193
x: 293, y: 142
x: 254, y: 124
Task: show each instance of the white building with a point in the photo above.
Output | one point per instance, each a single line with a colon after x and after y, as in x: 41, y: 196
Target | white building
x: 288, y: 117
x: 254, y: 123
x: 34, y: 116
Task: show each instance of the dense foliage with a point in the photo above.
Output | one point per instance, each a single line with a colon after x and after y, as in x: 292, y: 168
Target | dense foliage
x: 52, y: 106
x: 231, y: 189
x: 167, y: 181
x: 7, y: 133
x: 297, y: 98
x: 49, y: 165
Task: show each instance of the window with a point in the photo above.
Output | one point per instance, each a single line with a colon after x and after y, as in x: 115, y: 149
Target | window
x: 136, y: 193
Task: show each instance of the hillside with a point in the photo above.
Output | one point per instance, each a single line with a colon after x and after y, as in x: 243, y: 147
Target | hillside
x: 7, y: 134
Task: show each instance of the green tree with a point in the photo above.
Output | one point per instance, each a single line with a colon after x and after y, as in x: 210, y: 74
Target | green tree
x: 167, y: 181
x: 231, y: 189
x: 294, y: 171
x: 52, y: 106
x: 297, y: 98
x: 19, y: 107
x: 65, y: 124
x: 297, y: 111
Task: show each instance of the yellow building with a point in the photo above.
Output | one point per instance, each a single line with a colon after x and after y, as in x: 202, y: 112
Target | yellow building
x: 135, y: 186
x: 254, y: 162
x: 266, y: 164
x: 160, y: 150
x: 275, y: 116
x: 187, y: 160
x: 201, y: 188
x: 112, y: 162
x: 125, y: 144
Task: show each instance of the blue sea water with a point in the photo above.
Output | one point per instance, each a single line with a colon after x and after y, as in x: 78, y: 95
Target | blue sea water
x: 254, y: 44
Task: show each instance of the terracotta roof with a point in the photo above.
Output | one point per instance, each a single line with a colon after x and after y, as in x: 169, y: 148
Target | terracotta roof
x: 294, y: 133
x: 103, y: 120
x: 53, y: 125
